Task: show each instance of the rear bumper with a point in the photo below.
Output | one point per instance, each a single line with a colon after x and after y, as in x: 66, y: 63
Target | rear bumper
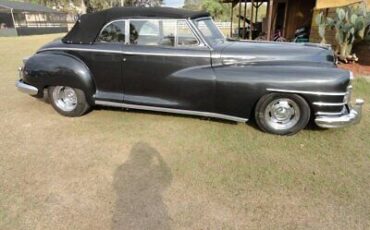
x: 353, y: 116
x: 25, y: 88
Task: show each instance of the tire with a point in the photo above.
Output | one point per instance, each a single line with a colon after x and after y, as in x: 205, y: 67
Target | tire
x: 282, y: 114
x: 67, y: 101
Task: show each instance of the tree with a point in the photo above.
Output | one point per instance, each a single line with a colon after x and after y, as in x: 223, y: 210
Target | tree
x: 216, y: 8
x: 193, y: 4
x: 144, y: 3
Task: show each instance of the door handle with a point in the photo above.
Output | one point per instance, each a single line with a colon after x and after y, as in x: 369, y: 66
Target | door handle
x: 124, y: 59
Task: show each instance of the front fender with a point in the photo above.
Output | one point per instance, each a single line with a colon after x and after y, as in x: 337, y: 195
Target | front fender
x: 58, y: 68
x: 239, y: 87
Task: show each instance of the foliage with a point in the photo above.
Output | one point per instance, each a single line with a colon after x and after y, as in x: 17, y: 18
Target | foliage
x: 94, y: 5
x: 193, y: 4
x: 145, y: 3
x: 350, y: 26
x: 322, y: 22
x: 216, y: 8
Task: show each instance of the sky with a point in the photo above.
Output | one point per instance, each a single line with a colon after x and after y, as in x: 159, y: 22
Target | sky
x: 174, y: 3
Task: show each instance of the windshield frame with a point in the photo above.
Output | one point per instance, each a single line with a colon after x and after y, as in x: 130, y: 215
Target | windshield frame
x: 211, y: 42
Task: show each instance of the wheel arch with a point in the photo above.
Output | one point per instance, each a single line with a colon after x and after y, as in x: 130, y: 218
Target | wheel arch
x: 53, y: 68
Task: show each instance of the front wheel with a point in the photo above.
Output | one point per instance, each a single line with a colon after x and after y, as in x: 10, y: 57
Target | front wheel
x: 282, y: 114
x: 68, y: 101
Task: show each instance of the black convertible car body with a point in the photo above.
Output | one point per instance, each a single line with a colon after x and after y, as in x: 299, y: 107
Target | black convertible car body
x: 177, y: 61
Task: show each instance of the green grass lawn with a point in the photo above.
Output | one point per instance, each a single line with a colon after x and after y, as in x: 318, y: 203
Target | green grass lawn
x: 139, y: 170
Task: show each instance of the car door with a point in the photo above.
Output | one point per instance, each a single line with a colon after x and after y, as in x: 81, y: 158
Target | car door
x: 166, y: 66
x: 104, y: 58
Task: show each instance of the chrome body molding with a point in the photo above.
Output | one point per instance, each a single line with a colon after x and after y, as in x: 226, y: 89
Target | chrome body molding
x: 319, y: 93
x: 124, y: 52
x: 170, y: 110
x: 319, y: 113
x: 319, y: 103
x: 25, y: 88
x: 352, y: 117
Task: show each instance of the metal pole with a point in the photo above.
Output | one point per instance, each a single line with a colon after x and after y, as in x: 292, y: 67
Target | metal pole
x: 231, y: 20
x: 11, y: 11
x: 245, y: 17
x: 257, y: 8
x: 269, y: 20
x: 240, y: 12
x: 251, y: 26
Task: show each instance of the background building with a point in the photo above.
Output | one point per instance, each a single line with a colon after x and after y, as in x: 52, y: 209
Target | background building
x: 20, y: 18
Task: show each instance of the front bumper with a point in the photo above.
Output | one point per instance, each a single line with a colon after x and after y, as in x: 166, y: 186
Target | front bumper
x: 353, y: 116
x: 25, y: 88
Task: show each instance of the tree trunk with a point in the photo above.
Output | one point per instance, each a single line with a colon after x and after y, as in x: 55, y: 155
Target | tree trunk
x: 83, y: 7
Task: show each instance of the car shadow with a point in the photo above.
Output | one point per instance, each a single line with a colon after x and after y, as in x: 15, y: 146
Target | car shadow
x: 139, y: 184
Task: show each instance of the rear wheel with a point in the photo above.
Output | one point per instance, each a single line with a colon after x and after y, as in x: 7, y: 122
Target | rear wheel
x: 68, y: 101
x: 282, y: 114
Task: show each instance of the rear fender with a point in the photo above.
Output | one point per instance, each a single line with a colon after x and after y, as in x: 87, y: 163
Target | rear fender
x: 58, y: 68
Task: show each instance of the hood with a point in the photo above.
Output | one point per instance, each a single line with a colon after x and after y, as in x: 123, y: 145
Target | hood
x: 249, y: 51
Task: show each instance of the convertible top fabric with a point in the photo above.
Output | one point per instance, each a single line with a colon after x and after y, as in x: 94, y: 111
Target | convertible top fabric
x: 88, y: 26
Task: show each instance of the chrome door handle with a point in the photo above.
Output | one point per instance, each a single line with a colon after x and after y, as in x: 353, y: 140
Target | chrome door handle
x: 124, y: 59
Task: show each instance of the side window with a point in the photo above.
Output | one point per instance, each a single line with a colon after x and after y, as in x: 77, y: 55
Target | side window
x: 168, y: 28
x: 185, y: 36
x: 144, y: 32
x: 152, y: 32
x: 113, y: 32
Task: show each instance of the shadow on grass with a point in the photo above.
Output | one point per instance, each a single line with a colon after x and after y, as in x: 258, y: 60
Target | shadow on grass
x: 311, y: 126
x: 139, y: 184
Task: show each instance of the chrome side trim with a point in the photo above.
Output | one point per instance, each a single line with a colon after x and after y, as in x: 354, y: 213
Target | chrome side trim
x: 126, y: 52
x: 319, y: 103
x: 328, y: 114
x: 353, y: 117
x: 81, y: 49
x: 319, y: 93
x: 169, y: 110
x: 166, y: 54
x: 25, y: 88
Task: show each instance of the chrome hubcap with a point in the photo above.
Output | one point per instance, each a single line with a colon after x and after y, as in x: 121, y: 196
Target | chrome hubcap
x: 65, y: 98
x: 282, y: 114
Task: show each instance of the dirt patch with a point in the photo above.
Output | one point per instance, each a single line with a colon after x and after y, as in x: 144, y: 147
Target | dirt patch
x: 356, y: 68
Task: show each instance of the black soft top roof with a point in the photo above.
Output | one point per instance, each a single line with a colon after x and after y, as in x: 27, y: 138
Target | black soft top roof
x: 88, y: 26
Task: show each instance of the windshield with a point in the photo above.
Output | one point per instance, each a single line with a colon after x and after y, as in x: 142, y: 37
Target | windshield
x: 209, y: 31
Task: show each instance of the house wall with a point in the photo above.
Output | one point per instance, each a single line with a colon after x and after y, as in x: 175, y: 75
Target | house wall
x: 299, y: 14
x: 323, y: 4
x: 330, y: 34
x: 362, y: 50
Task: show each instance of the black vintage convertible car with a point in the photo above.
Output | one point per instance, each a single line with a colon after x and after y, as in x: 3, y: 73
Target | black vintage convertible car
x: 177, y: 61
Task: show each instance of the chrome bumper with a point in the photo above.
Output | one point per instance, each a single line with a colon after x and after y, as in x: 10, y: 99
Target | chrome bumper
x: 350, y: 118
x: 25, y: 88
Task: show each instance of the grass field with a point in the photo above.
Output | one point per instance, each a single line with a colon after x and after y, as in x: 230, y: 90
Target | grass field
x: 115, y: 169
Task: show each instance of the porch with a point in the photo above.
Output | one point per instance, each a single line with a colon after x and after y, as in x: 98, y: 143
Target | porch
x: 284, y: 16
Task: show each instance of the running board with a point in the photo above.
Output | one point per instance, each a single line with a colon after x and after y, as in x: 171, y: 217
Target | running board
x: 169, y: 110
